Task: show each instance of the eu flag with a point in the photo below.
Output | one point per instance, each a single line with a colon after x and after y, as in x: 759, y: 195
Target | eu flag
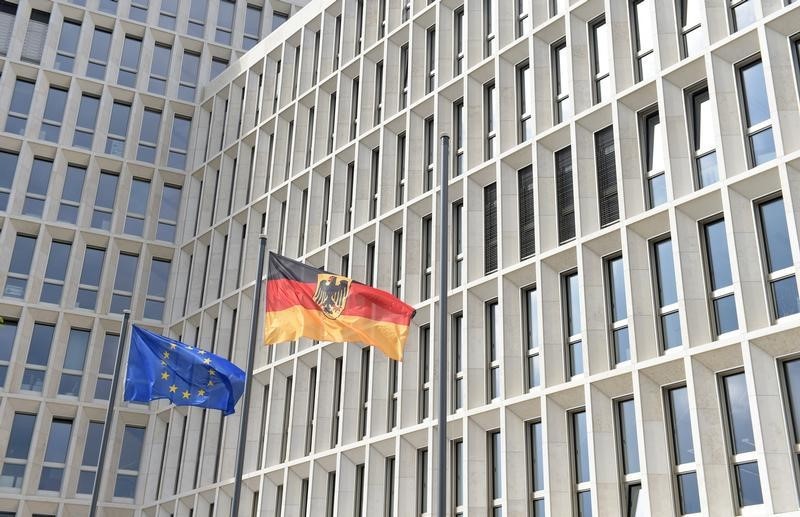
x: 163, y: 368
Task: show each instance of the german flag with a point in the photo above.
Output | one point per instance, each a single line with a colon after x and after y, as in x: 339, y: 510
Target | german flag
x: 303, y: 301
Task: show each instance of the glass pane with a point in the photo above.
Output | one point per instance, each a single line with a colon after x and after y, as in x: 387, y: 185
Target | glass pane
x: 537, y: 454
x: 73, y: 184
x: 159, y: 278
x: 41, y: 339
x: 70, y: 385
x: 76, y: 349
x: 581, y: 447
x: 22, y: 97
x: 102, y: 390
x: 109, y: 355
x: 107, y: 190
x: 22, y: 256
x: 630, y: 443
x: 19, y: 441
x: 92, y: 266
x: 91, y: 452
x: 744, y: 14
x: 120, y: 114
x: 87, y: 113
x: 784, y: 294
x: 725, y: 314
x: 8, y: 332
x: 633, y: 499
x: 622, y: 346
x: 12, y: 475
x: 683, y: 442
x: 665, y: 271
x: 740, y: 426
x: 125, y: 487
x: 749, y: 484
x: 534, y: 374
x: 658, y: 190
x: 755, y: 90
x: 58, y: 441
x: 619, y: 306
x: 131, y: 448
x: 576, y: 358
x: 573, y: 305
x: 56, y: 100
x: 671, y: 330
x: 707, y: 172
x: 585, y: 503
x: 654, y: 150
x: 717, y: 255
x: 775, y: 234
x: 763, y: 146
x: 688, y: 493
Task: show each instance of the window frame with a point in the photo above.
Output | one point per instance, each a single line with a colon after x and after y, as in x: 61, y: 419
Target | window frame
x: 751, y: 131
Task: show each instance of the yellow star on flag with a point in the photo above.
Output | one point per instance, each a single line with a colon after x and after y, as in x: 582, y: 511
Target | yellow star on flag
x: 186, y: 394
x: 163, y: 363
x: 201, y: 392
x: 212, y: 372
x: 173, y: 346
x: 173, y: 389
x: 166, y: 355
x: 164, y: 375
x: 207, y: 360
x: 210, y: 383
x: 201, y: 351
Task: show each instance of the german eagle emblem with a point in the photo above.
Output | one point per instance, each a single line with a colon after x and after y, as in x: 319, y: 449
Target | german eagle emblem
x: 331, y: 294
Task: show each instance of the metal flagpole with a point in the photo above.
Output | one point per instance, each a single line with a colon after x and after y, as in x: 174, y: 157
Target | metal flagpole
x: 251, y: 358
x: 443, y: 257
x: 98, y: 478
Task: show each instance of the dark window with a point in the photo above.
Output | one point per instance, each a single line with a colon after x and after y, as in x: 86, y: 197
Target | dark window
x: 606, y: 176
x: 565, y: 201
x: 527, y: 223
x: 490, y: 228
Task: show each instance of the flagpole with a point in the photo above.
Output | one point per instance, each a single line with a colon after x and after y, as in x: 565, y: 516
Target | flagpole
x: 98, y: 478
x: 251, y: 358
x: 443, y: 316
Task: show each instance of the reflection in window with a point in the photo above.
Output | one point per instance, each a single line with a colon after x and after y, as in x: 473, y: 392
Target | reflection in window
x: 618, y: 310
x: 105, y: 371
x: 8, y: 167
x: 536, y: 461
x: 38, y: 357
x: 524, y: 102
x: 530, y: 299
x: 629, y: 446
x: 19, y: 445
x: 74, y: 361
x: 8, y: 333
x: 703, y: 138
x: 67, y: 45
x: 601, y: 60
x: 490, y: 228
x: 683, y: 450
x: 565, y: 199
x: 573, y: 323
x: 645, y: 39
x: 720, y: 280
x: 85, y: 123
x: 691, y: 23
x: 757, y: 115
x: 21, y: 100
x: 38, y: 185
x: 129, y: 63
x: 457, y: 386
x: 55, y: 456
x: 20, y: 266
x: 148, y: 136
x: 118, y: 128
x: 777, y: 253
x: 179, y: 143
x: 53, y: 115
x: 56, y: 272
x: 741, y: 443
x: 669, y: 319
x: 493, y: 333
x: 129, y: 460
x: 743, y: 13
x: 104, y: 202
x: 98, y: 54
x: 91, y: 456
x: 561, y: 75
x: 580, y: 453
x: 90, y: 278
x: 653, y: 158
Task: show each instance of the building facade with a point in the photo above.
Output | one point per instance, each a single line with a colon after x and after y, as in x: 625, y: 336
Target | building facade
x: 97, y: 106
x: 623, y: 294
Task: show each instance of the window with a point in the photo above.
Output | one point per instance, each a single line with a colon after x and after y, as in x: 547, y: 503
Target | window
x: 394, y: 394
x: 653, y: 157
x: 179, y: 144
x: 458, y: 242
x: 311, y: 412
x: 85, y: 123
x: 19, y: 445
x: 160, y: 69
x: 430, y: 59
x: 129, y: 63
x: 331, y: 122
x: 358, y: 497
x: 190, y: 66
x: 55, y: 455
x: 363, y: 404
x: 530, y: 300
x: 758, y: 124
x: 287, y: 413
x: 719, y: 278
x: 67, y: 45
x: 326, y: 201
x: 98, y: 54
x: 354, y: 99
x: 72, y: 193
x: 378, y: 93
x: 349, y: 206
x: 400, y: 173
x: 493, y: 337
x: 295, y: 71
x: 404, y: 76
x: 495, y: 473
x: 524, y: 18
x: 459, y: 40
x: 38, y: 357
x: 427, y: 257
x: 53, y: 114
x: 137, y: 206
x: 301, y: 238
x: 406, y: 10
x: 605, y: 159
x: 667, y: 294
x: 278, y: 19
x: 457, y: 387
x: 138, y: 10
x: 90, y: 278
x: 105, y: 372
x: 691, y: 25
x: 8, y: 166
x: 565, y: 200
x: 127, y: 264
x: 157, y: 289
x: 359, y: 36
x: 741, y: 443
x: 168, y: 213
x: 388, y: 487
x: 524, y: 102
x: 20, y: 266
x: 490, y: 115
x: 337, y: 38
x: 337, y: 401
x: 309, y: 135
x: 629, y: 456
x: 536, y: 461
x: 129, y: 460
x: 425, y: 383
x: 460, y: 136
x: 330, y: 496
x: 703, y: 140
x: 777, y: 257
x: 91, y: 456
x: 490, y: 228
x: 561, y: 75
x: 374, y: 182
x: 108, y: 6
x: 422, y: 481
x: 198, y: 10
x: 573, y: 323
x: 457, y: 476
x: 684, y: 468
x: 8, y: 333
x: 644, y: 39
x: 430, y: 153
x: 225, y: 17
x: 148, y: 135
x: 601, y: 60
x: 8, y: 15
x: 743, y: 13
x: 104, y: 202
x: 397, y: 263
x: 38, y: 185
x: 74, y: 362
x: 617, y: 309
x: 580, y: 453
x: 56, y: 272
x: 252, y: 26
x: 21, y: 100
x: 118, y: 128
x: 315, y: 64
